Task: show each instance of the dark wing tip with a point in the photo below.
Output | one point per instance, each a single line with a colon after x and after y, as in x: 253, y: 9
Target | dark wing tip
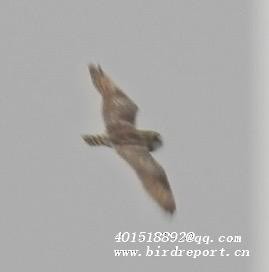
x: 95, y: 70
x: 171, y: 209
x: 170, y: 206
x: 97, y: 75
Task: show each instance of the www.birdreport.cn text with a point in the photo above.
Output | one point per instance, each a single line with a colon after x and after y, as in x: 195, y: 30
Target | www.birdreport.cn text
x: 178, y: 244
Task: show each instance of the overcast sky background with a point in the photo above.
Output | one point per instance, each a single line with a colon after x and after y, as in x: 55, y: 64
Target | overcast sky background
x: 187, y: 65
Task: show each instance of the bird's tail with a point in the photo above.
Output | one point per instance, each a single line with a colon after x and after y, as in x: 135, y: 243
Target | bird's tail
x: 101, y: 81
x: 96, y: 140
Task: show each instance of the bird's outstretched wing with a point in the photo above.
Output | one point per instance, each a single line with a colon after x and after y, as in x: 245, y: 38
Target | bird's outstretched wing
x: 151, y: 174
x: 101, y: 81
x: 117, y: 106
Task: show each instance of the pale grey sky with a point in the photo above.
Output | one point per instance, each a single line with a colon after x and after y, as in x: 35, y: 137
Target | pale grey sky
x: 187, y: 66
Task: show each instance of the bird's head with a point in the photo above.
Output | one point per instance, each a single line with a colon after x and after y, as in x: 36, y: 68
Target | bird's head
x: 154, y: 140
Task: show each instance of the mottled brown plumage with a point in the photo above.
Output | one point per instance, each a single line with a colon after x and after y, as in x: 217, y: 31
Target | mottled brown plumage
x: 133, y: 145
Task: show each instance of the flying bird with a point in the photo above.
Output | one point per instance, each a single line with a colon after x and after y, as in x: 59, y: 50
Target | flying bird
x: 132, y: 144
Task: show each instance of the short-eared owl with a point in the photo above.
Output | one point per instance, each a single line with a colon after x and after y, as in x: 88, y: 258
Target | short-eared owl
x: 133, y: 145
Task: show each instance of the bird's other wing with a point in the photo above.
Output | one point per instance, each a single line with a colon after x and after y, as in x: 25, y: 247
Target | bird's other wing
x: 151, y: 174
x: 117, y: 105
x: 100, y: 80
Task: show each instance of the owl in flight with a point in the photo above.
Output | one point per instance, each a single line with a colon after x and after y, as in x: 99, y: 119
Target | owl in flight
x: 132, y: 144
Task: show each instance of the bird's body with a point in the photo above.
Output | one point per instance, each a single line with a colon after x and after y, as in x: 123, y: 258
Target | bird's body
x: 133, y: 145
